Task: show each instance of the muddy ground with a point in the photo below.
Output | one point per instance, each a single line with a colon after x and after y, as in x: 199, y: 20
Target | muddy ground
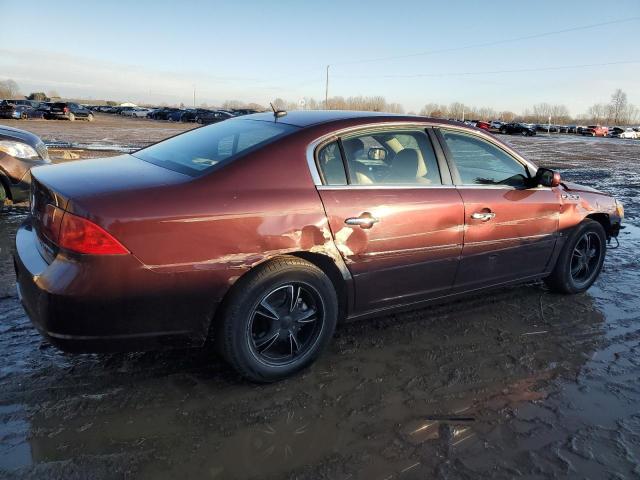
x: 515, y: 383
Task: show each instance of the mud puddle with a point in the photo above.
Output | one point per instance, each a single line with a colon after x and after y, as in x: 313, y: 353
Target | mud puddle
x: 518, y: 382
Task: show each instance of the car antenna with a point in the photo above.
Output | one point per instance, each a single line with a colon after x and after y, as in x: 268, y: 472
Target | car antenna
x: 277, y: 113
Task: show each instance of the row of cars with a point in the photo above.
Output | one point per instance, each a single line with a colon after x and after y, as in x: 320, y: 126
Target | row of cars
x: 530, y: 129
x: 25, y: 109
x: 203, y: 116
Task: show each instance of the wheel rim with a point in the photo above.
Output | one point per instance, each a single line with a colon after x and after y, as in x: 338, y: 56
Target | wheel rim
x: 585, y: 258
x: 286, y: 324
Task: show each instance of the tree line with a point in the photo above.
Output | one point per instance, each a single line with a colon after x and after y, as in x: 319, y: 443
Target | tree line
x: 618, y: 111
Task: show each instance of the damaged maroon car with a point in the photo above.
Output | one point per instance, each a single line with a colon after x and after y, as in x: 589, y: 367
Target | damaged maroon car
x: 261, y: 232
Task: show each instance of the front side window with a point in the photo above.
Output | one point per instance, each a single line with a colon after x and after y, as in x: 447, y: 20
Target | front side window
x: 482, y: 163
x: 392, y: 157
x: 202, y: 149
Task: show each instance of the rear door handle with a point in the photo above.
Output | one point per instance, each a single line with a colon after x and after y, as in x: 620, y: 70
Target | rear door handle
x: 365, y: 220
x: 484, y: 216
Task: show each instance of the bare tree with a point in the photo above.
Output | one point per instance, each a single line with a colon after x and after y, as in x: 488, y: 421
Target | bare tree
x: 9, y: 89
x: 618, y: 106
x: 232, y: 104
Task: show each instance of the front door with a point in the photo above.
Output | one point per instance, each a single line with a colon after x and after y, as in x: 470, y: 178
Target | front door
x: 396, y: 223
x: 510, y: 229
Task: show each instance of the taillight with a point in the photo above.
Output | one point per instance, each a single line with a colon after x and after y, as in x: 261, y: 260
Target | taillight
x: 79, y: 235
x: 65, y: 109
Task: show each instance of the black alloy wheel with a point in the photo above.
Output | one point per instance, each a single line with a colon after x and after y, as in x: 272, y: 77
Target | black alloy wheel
x: 285, y: 324
x: 581, y: 259
x: 585, y: 259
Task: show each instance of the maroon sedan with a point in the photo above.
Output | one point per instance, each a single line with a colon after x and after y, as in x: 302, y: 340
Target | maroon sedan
x: 263, y: 231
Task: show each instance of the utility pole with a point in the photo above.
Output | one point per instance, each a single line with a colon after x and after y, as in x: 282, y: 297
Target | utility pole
x: 194, y: 96
x: 326, y: 90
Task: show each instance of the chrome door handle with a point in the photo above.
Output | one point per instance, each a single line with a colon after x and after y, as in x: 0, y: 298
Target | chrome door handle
x: 365, y: 220
x: 484, y: 216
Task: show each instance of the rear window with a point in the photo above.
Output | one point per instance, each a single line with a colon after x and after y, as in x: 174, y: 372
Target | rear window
x: 198, y: 151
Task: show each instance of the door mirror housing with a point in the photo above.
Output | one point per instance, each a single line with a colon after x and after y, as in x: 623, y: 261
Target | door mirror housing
x: 548, y: 178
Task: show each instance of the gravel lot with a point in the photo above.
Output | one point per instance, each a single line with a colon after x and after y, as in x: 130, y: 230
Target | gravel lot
x: 519, y: 382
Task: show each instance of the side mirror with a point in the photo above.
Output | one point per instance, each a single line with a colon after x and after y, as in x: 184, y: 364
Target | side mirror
x: 377, y: 153
x: 548, y: 178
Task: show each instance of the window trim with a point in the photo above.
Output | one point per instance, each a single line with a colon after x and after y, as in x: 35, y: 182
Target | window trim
x: 315, y: 146
x: 528, y: 166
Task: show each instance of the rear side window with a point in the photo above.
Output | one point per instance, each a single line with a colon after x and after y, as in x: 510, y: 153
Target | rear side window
x: 331, y: 165
x: 203, y: 149
x: 482, y: 163
x: 393, y: 157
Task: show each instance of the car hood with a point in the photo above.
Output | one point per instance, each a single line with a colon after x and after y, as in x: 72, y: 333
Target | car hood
x: 576, y: 187
x: 17, y: 134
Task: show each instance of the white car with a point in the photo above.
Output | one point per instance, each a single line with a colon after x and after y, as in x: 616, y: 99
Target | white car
x: 137, y: 112
x: 630, y: 133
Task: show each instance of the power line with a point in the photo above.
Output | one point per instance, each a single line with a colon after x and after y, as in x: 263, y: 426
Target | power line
x: 491, y: 72
x: 489, y: 44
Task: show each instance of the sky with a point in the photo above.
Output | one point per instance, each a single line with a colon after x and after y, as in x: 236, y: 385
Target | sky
x: 410, y: 52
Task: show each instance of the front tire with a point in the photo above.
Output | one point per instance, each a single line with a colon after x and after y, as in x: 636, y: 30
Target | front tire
x: 277, y: 319
x: 90, y: 118
x: 580, y: 260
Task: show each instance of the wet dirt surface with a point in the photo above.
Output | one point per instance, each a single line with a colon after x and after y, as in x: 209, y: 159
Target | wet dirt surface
x: 516, y: 382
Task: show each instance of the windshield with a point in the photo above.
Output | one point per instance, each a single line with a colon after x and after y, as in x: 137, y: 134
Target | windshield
x: 203, y: 149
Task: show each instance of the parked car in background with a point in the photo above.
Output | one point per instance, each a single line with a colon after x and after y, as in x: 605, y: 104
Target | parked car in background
x: 162, y: 113
x: 124, y: 110
x: 483, y: 125
x: 25, y: 112
x: 293, y: 226
x: 628, y: 133
x: 572, y: 129
x: 191, y: 114
x: 176, y: 116
x: 496, y: 124
x: 213, y: 117
x: 545, y: 127
x: 518, y: 128
x: 137, y: 112
x: 69, y: 111
x: 19, y: 152
x: 595, y: 131
x: 19, y: 111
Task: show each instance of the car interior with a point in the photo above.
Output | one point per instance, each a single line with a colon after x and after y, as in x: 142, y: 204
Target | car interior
x: 392, y: 158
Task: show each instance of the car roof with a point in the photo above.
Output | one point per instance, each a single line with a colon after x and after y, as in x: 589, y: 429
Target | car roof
x: 307, y: 118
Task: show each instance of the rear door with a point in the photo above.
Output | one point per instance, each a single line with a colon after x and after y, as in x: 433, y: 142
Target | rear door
x: 510, y: 229
x: 394, y: 215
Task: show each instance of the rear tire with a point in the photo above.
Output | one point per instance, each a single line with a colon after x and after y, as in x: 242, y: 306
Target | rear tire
x: 72, y: 117
x: 90, y: 118
x: 580, y: 260
x: 503, y: 131
x: 277, y: 319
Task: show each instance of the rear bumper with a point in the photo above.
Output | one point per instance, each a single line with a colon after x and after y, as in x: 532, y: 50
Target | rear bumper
x: 106, y: 304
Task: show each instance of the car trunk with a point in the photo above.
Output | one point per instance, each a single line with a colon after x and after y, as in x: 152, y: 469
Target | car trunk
x: 103, y: 191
